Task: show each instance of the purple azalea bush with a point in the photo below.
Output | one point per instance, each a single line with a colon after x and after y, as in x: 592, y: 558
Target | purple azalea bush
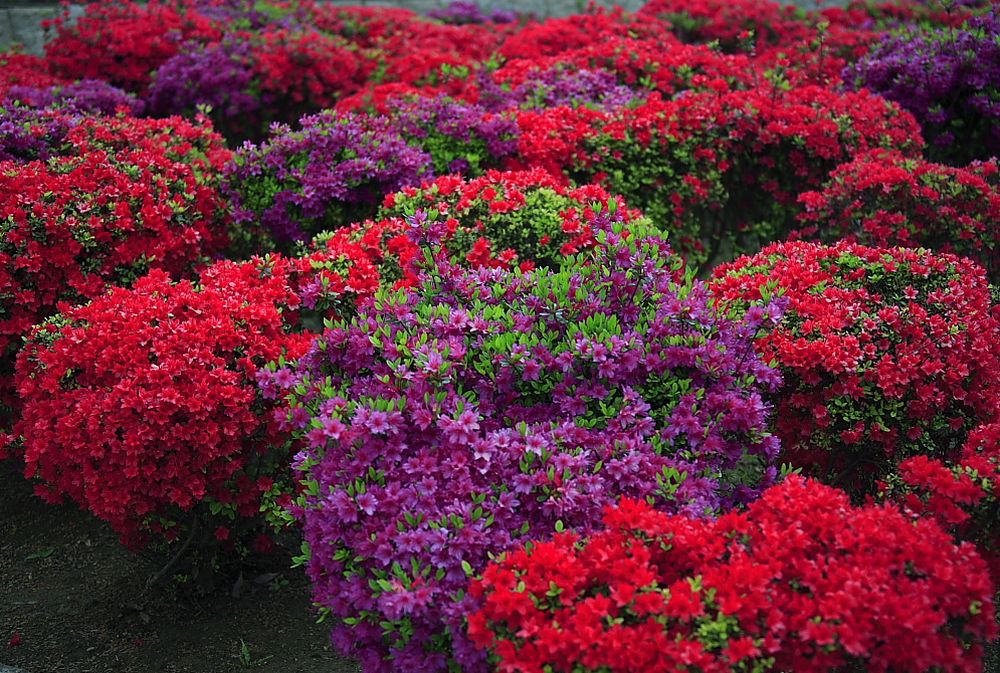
x: 949, y: 79
x: 445, y: 424
x: 460, y: 137
x: 30, y: 133
x: 558, y: 86
x: 332, y: 171
x: 462, y: 12
x: 88, y: 95
x: 218, y: 75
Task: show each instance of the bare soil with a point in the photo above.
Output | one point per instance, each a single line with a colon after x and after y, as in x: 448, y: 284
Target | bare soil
x: 72, y: 601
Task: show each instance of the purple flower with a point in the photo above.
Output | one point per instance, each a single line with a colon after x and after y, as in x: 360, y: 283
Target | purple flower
x: 484, y: 457
x: 333, y: 171
x: 949, y: 79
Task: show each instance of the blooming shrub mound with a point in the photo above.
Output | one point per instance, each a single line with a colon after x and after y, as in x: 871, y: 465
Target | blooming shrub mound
x: 886, y: 199
x: 886, y: 353
x: 719, y: 171
x: 123, y: 43
x: 556, y: 35
x: 949, y: 79
x: 123, y: 197
x: 142, y: 407
x: 964, y: 496
x: 634, y: 65
x: 801, y: 581
x: 557, y: 86
x: 17, y: 69
x: 28, y: 133
x: 460, y: 137
x: 443, y: 424
x: 524, y: 218
x: 730, y: 22
x: 89, y: 95
x: 503, y: 220
x: 332, y: 171
x: 461, y: 12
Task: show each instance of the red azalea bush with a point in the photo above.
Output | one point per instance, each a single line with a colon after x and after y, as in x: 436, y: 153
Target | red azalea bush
x: 435, y: 56
x: 963, y: 497
x: 657, y: 64
x: 17, y: 69
x: 801, y: 581
x: 719, y: 171
x: 364, y: 26
x: 142, y: 407
x: 124, y: 42
x: 730, y: 22
x: 887, y: 199
x: 553, y: 36
x: 126, y: 196
x: 501, y: 220
x: 307, y: 71
x: 886, y: 353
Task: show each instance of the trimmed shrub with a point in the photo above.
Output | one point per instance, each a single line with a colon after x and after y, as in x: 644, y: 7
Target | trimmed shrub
x: 445, y: 423
x: 801, y: 581
x: 886, y: 353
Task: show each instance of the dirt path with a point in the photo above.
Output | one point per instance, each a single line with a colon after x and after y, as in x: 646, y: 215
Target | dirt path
x: 70, y: 593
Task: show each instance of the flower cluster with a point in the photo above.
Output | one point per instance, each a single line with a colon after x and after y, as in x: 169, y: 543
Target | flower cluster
x: 556, y: 35
x: 253, y: 79
x: 18, y: 69
x: 557, y: 86
x: 204, y: 446
x: 963, y: 497
x: 886, y: 353
x: 28, y: 133
x: 445, y: 423
x: 121, y: 197
x: 886, y: 199
x: 332, y: 171
x: 89, y: 95
x: 141, y: 405
x: 698, y: 164
x: 801, y: 581
x: 460, y: 137
x: 123, y: 43
x: 730, y: 22
x: 461, y: 12
x: 949, y: 79
x: 219, y: 75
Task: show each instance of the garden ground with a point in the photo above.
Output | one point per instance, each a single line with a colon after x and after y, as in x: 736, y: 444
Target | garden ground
x: 72, y: 596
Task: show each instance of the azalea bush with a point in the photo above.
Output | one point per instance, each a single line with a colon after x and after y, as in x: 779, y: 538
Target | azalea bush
x: 949, y: 79
x: 447, y: 422
x: 20, y: 69
x: 885, y: 199
x: 142, y: 406
x: 730, y: 23
x: 252, y: 79
x: 332, y: 171
x: 89, y: 95
x: 962, y: 496
x: 886, y: 353
x: 124, y: 42
x: 719, y: 171
x: 122, y: 198
x: 801, y: 581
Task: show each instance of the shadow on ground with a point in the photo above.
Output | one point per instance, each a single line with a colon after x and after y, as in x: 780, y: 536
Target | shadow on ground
x: 72, y: 595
